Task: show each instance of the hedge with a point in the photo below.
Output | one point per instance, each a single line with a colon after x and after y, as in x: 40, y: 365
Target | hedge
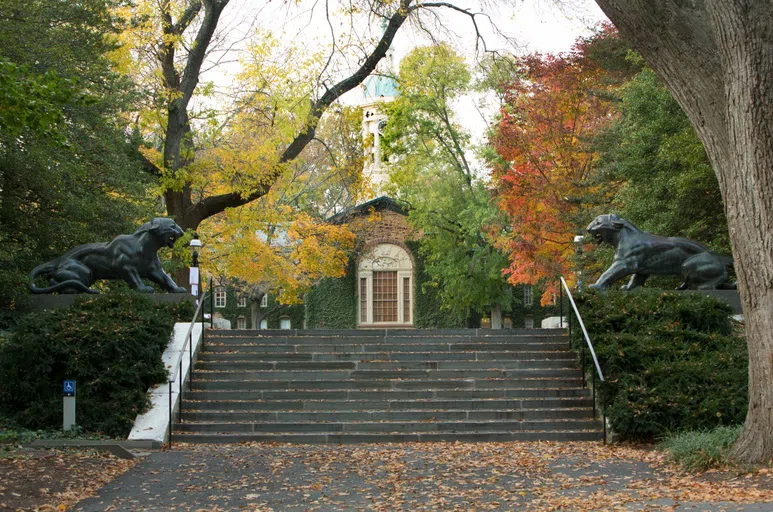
x: 672, y: 361
x: 110, y: 344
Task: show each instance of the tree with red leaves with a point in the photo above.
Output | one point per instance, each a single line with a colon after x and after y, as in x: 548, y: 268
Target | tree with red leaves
x: 544, y: 162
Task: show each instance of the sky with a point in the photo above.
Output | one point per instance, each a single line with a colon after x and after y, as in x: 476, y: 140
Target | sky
x: 534, y: 25
x: 544, y: 26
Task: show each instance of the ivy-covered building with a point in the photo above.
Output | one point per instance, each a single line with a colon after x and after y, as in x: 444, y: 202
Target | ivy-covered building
x: 228, y: 303
x: 385, y: 285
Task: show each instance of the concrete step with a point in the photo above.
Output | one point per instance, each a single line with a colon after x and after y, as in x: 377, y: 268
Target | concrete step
x: 376, y: 384
x: 390, y: 426
x: 386, y: 365
x: 389, y: 394
x: 364, y: 375
x: 257, y: 353
x: 373, y: 416
x: 385, y: 405
x: 353, y: 438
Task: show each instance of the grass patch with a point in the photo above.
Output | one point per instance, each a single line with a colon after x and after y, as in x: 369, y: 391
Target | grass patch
x: 699, y: 451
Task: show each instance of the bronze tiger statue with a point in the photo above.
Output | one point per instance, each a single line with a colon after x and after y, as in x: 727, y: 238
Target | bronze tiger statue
x: 128, y: 257
x: 641, y: 254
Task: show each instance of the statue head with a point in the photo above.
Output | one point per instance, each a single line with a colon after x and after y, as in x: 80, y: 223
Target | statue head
x: 164, y: 231
x: 607, y: 228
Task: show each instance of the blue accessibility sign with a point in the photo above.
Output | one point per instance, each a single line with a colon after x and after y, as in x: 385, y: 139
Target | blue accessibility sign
x: 69, y: 388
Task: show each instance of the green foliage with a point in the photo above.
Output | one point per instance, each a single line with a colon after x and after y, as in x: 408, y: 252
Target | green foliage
x: 671, y: 360
x: 427, y: 310
x: 110, y: 344
x: 68, y: 172
x: 667, y: 184
x: 699, y: 451
x: 449, y: 203
x: 332, y: 304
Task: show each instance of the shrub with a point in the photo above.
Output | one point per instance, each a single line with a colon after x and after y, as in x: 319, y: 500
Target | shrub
x: 671, y: 361
x: 110, y: 344
x: 699, y: 451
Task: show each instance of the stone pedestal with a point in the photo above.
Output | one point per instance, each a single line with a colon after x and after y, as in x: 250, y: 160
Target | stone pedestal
x: 730, y: 297
x: 53, y: 301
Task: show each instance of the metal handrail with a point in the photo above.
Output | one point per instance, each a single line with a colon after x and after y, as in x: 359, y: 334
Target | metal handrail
x: 582, y: 355
x: 178, y: 366
x: 584, y: 331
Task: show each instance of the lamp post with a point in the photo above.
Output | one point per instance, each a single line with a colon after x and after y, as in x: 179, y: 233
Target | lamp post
x: 578, y: 253
x: 194, y: 281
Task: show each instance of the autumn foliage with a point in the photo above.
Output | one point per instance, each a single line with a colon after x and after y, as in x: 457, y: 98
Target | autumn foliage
x: 544, y: 162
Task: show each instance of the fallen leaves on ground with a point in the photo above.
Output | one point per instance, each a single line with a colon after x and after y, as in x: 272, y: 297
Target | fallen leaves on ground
x: 270, y: 477
x: 53, y: 480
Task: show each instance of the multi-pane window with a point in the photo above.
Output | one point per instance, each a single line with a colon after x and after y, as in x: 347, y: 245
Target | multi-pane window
x: 241, y: 323
x: 385, y: 296
x: 220, y: 296
x: 406, y: 299
x: 528, y: 322
x: 284, y: 323
x: 363, y: 299
x: 264, y: 301
x: 527, y: 296
x: 242, y: 302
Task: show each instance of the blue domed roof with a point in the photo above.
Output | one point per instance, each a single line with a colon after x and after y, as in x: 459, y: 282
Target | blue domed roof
x: 380, y: 86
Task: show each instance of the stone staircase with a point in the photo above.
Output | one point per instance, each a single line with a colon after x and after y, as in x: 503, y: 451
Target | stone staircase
x: 303, y: 386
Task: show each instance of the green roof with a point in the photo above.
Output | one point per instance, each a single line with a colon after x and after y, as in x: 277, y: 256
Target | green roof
x: 380, y: 86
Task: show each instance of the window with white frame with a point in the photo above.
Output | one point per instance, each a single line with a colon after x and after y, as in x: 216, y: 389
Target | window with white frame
x: 385, y: 277
x: 528, y: 322
x: 284, y: 323
x: 264, y: 324
x: 219, y: 296
x: 264, y: 301
x: 242, y: 302
x: 528, y: 300
x: 241, y: 323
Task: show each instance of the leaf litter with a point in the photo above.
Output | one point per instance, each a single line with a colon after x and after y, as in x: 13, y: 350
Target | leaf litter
x: 454, y: 476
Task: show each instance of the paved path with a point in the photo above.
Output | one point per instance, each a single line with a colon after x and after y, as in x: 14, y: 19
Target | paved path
x: 413, y: 477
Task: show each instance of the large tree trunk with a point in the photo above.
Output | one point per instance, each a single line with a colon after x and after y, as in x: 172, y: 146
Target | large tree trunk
x: 716, y: 57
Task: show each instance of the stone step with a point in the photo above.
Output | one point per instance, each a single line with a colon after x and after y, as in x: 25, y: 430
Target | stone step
x: 353, y: 438
x: 394, y: 345
x: 410, y: 416
x: 385, y: 405
x: 379, y: 333
x: 390, y: 426
x: 258, y: 354
x: 389, y: 394
x: 386, y: 394
x: 375, y: 384
x: 307, y: 375
x: 385, y: 365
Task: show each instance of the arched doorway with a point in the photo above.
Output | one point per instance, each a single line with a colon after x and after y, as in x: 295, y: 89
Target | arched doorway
x: 385, y: 287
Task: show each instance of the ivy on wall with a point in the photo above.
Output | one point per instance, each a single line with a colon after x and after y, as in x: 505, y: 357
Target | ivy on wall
x: 426, y: 303
x: 332, y: 304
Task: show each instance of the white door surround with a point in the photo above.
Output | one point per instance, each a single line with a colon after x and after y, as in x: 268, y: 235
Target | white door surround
x: 385, y: 287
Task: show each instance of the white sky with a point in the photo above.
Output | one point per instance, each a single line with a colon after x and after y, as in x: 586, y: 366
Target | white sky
x: 536, y: 25
x: 544, y: 26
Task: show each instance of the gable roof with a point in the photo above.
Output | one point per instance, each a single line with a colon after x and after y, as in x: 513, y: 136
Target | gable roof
x: 378, y: 204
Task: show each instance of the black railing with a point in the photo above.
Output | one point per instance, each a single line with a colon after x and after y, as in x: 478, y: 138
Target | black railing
x: 589, y: 344
x: 178, y: 367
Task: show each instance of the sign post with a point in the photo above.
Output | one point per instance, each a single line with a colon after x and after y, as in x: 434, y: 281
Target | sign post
x: 68, y: 393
